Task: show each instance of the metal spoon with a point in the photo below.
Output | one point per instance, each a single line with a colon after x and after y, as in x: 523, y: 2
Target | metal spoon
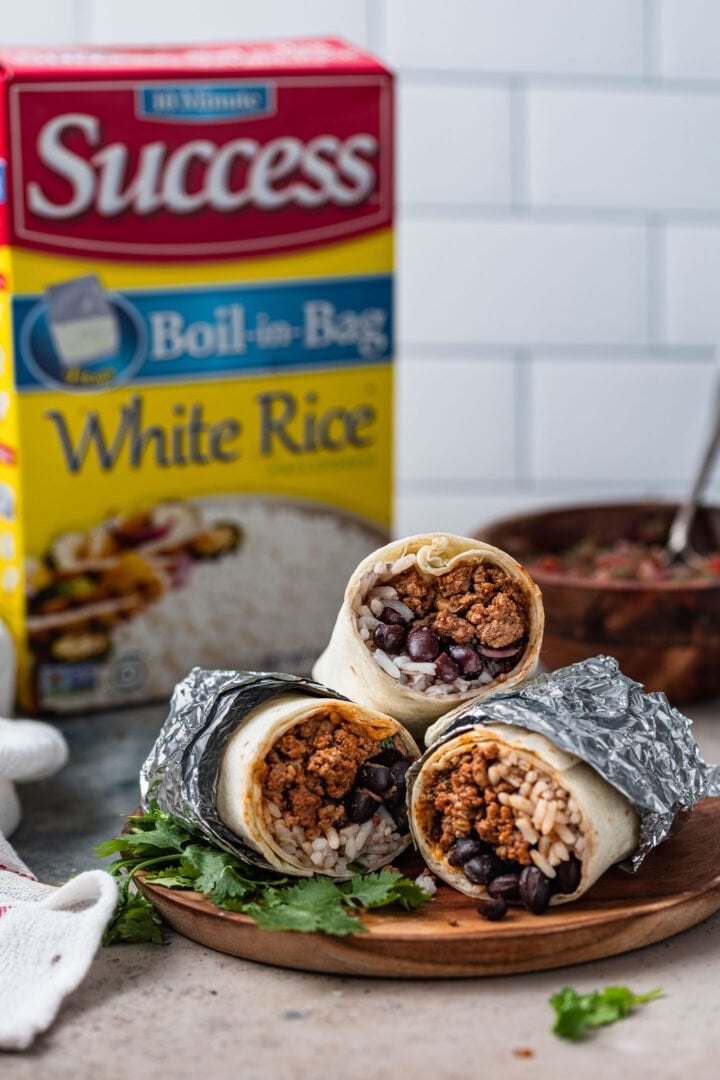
x: 678, y: 547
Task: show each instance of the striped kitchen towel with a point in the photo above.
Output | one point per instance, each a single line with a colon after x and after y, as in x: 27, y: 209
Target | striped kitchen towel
x: 48, y: 935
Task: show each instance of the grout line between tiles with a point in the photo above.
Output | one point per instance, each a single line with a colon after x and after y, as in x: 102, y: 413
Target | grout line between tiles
x: 524, y: 435
x: 374, y: 26
x: 651, y: 39
x: 519, y: 163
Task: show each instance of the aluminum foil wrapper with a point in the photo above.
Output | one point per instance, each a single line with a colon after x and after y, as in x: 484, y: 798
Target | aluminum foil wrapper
x: 636, y: 741
x: 180, y: 773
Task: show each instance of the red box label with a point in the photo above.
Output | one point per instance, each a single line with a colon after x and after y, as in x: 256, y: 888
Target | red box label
x: 189, y: 169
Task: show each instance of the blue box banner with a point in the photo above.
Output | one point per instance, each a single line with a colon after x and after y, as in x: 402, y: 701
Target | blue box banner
x: 194, y: 333
x: 203, y: 103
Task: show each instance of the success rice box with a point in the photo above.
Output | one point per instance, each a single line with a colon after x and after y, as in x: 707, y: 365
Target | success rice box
x: 195, y: 350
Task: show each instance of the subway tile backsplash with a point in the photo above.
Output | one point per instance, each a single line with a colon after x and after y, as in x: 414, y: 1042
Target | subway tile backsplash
x: 559, y: 231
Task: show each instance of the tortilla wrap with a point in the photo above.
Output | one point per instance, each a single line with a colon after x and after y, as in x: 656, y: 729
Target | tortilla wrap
x: 608, y: 823
x: 348, y: 664
x: 242, y: 804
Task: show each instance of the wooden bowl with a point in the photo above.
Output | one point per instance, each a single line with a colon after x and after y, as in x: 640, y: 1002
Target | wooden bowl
x: 664, y: 634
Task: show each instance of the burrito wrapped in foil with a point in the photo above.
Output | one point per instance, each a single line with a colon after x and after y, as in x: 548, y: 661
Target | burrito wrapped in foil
x: 548, y: 785
x: 283, y: 772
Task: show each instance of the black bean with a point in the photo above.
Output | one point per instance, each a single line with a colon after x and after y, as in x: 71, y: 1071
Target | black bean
x: 505, y: 887
x: 535, y: 890
x: 389, y: 638
x: 568, y: 875
x: 499, y: 665
x: 392, y: 617
x: 387, y: 757
x: 422, y: 644
x: 467, y: 659
x: 396, y: 797
x: 361, y: 805
x: 398, y: 770
x: 481, y: 869
x: 375, y: 778
x: 463, y: 849
x: 509, y: 866
x: 446, y: 669
x: 400, y: 817
x: 494, y: 909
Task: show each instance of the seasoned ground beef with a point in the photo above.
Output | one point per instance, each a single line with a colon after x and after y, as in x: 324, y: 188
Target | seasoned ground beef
x: 472, y: 604
x: 456, y: 580
x: 312, y: 767
x: 498, y: 623
x: 461, y: 803
x: 452, y: 626
x: 414, y: 591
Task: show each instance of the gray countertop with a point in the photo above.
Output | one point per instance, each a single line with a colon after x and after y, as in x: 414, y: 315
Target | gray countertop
x: 186, y: 1012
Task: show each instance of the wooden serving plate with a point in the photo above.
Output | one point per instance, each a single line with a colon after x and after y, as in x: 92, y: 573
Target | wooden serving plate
x: 677, y: 887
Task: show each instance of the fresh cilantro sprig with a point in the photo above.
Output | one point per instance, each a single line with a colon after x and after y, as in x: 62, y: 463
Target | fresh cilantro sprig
x: 171, y: 854
x: 578, y: 1013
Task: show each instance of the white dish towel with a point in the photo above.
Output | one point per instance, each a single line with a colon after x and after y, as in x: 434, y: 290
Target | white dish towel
x: 48, y: 935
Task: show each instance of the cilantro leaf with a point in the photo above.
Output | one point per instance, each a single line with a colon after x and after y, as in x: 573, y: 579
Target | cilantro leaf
x: 215, y: 874
x: 384, y: 887
x: 170, y: 853
x: 171, y: 878
x: 135, y: 920
x: 577, y: 1013
x: 312, y: 904
x: 408, y: 895
x: 152, y: 832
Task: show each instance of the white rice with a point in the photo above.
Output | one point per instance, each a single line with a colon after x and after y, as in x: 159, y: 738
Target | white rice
x: 536, y: 814
x: 374, y: 842
x: 241, y: 611
x: 426, y: 882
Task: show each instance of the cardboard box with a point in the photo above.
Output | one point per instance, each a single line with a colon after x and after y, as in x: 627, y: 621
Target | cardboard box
x: 196, y: 336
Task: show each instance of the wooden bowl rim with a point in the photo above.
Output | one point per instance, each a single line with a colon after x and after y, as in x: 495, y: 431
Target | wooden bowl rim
x: 575, y: 581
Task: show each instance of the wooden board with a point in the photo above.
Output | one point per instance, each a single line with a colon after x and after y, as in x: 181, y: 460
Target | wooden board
x: 677, y: 887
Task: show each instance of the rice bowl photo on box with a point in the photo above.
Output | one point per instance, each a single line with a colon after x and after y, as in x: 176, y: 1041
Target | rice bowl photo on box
x: 132, y: 595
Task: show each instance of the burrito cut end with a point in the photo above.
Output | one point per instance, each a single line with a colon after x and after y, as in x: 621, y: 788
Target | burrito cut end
x: 325, y: 789
x: 496, y: 819
x: 439, y: 619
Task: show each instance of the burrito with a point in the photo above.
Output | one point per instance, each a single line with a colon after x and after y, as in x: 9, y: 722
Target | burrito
x: 500, y: 811
x: 283, y: 772
x: 430, y: 622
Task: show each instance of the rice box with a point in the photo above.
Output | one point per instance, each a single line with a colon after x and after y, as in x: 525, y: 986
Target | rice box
x: 195, y: 349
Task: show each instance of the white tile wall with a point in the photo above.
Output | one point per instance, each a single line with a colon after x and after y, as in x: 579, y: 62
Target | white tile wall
x: 467, y: 512
x: 454, y: 145
x: 559, y: 252
x: 223, y: 20
x: 692, y: 283
x: 591, y: 36
x: 609, y: 416
x: 688, y: 35
x: 456, y: 418
x: 521, y: 281
x: 40, y: 22
x: 624, y: 149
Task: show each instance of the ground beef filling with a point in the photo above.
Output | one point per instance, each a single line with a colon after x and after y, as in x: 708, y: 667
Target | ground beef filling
x: 444, y: 634
x: 318, y: 775
x: 491, y: 813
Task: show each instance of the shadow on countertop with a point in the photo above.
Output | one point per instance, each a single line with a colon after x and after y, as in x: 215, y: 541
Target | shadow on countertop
x: 65, y: 816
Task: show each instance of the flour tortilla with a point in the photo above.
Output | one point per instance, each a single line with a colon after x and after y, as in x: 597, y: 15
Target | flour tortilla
x: 609, y: 823
x: 347, y: 663
x: 239, y: 797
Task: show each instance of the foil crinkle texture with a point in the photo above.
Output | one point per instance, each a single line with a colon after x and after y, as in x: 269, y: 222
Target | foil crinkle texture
x: 636, y: 741
x: 206, y: 708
